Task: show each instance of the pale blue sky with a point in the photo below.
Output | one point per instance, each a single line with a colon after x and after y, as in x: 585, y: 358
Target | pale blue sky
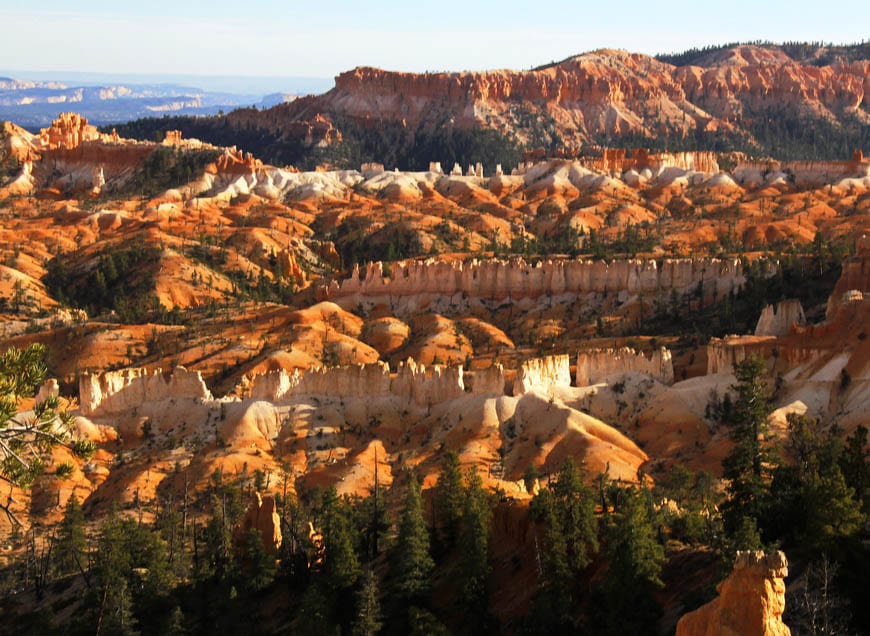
x: 321, y: 39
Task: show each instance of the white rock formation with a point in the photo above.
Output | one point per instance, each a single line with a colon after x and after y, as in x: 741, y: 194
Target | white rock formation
x: 543, y: 375
x: 777, y: 320
x: 500, y: 279
x: 488, y: 381
x: 354, y: 380
x: 122, y: 391
x: 596, y: 365
x: 427, y: 386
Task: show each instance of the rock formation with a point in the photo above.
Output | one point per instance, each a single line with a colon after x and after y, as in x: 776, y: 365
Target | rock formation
x: 261, y: 515
x: 356, y: 380
x: 497, y: 279
x: 619, y: 160
x: 488, y: 381
x: 596, y: 365
x: 724, y: 353
x: 414, y: 383
x: 123, y: 391
x: 778, y: 320
x: 543, y: 375
x: 426, y: 387
x: 589, y: 96
x: 68, y: 131
x: 854, y: 277
x: 750, y: 602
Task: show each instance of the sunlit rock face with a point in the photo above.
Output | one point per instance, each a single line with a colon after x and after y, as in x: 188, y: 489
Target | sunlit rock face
x: 750, y: 602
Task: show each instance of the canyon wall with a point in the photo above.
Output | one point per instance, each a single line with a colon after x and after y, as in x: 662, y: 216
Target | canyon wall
x: 488, y: 381
x: 543, y: 375
x: 750, y: 602
x: 777, y: 320
x: 723, y: 354
x: 620, y: 160
x: 599, y: 94
x: 114, y: 392
x: 354, y: 380
x: 413, y: 382
x: 497, y: 279
x: 426, y: 386
x: 596, y: 365
x: 803, y: 173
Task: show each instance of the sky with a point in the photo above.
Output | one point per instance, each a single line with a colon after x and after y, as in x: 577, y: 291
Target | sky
x: 273, y: 38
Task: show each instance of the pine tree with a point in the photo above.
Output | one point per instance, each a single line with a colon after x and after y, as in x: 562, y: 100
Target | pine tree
x: 27, y: 441
x: 567, y: 509
x: 114, y: 565
x: 750, y: 462
x: 341, y: 564
x: 474, y: 545
x: 261, y: 566
x: 175, y: 623
x: 368, y: 613
x: 855, y: 464
x: 635, y: 559
x: 412, y: 563
x: 71, y: 539
x: 449, y: 497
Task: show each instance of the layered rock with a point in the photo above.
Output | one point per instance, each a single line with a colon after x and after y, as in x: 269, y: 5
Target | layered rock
x: 803, y: 173
x: 723, y: 354
x: 543, y: 375
x: 355, y: 380
x: 620, y: 160
x: 425, y: 387
x: 777, y: 320
x: 599, y: 94
x: 488, y: 381
x: 596, y: 365
x: 497, y: 279
x: 750, y: 602
x: 113, y: 392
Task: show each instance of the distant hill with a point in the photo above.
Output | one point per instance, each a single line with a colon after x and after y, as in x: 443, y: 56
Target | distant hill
x: 778, y: 100
x: 109, y: 99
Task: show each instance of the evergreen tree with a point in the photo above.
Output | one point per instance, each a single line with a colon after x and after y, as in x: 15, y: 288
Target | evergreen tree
x: 27, y: 442
x: 748, y: 465
x: 71, y: 539
x: 340, y: 561
x: 260, y: 564
x: 368, y: 612
x: 413, y: 564
x: 635, y: 559
x: 474, y: 546
x: 855, y: 464
x: 175, y: 623
x: 114, y: 602
x: 567, y: 509
x: 449, y: 497
x: 812, y: 504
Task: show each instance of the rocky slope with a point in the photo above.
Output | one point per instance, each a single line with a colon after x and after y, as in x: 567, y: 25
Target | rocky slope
x: 254, y: 278
x: 600, y: 98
